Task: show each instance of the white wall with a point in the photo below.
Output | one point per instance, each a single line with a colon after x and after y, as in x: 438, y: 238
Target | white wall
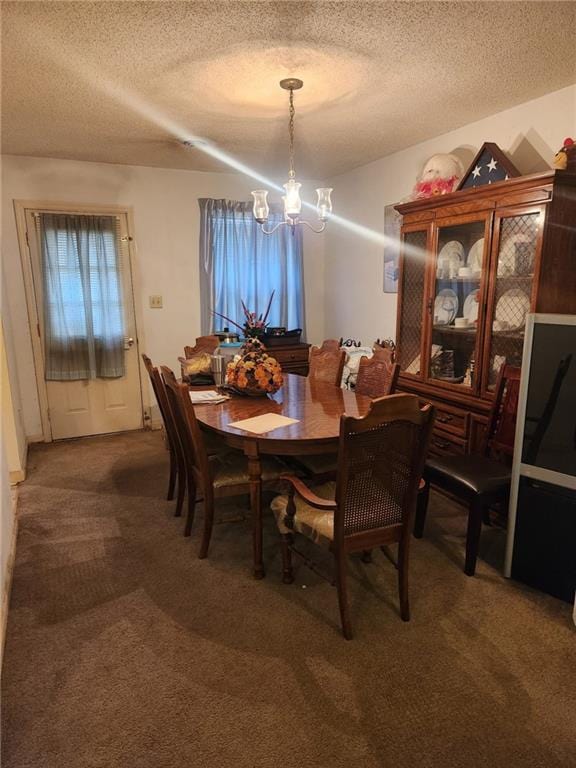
x: 355, y: 304
x: 167, y: 224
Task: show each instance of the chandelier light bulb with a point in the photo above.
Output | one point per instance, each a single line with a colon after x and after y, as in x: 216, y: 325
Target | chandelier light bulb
x: 292, y: 202
x: 261, y: 209
x: 324, y: 204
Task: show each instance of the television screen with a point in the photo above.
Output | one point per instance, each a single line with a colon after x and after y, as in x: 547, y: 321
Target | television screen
x: 549, y: 439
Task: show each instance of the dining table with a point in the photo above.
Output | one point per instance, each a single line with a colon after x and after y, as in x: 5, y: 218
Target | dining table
x: 317, y: 408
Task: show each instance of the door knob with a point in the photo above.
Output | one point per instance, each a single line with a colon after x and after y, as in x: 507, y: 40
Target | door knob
x: 129, y: 342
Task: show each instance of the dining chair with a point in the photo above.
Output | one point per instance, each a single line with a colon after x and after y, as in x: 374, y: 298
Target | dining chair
x: 377, y: 375
x: 177, y: 465
x: 372, y: 502
x: 327, y: 362
x: 206, y: 344
x: 388, y: 344
x: 210, y: 476
x: 479, y: 480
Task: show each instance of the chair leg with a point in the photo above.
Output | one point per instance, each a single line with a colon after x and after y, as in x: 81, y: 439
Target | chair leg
x: 181, y: 493
x: 341, y: 586
x: 173, y: 476
x: 287, y: 572
x: 475, y: 514
x: 421, y: 510
x: 191, y: 509
x: 208, y: 525
x: 403, y: 549
x: 182, y: 482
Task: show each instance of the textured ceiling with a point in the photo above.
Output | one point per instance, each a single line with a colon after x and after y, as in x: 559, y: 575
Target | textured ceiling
x: 120, y: 82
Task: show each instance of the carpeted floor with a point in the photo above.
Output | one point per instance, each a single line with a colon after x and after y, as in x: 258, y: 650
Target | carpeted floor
x: 125, y: 650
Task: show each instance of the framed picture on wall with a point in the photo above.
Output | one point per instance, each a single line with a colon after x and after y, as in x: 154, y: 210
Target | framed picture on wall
x: 392, y: 224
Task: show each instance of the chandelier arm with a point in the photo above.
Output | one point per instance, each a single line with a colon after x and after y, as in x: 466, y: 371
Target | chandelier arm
x: 317, y: 231
x: 274, y: 228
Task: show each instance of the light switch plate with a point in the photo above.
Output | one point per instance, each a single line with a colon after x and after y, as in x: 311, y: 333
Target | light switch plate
x: 155, y: 302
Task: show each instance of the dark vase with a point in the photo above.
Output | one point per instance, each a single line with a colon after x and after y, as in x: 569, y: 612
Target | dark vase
x: 254, y: 333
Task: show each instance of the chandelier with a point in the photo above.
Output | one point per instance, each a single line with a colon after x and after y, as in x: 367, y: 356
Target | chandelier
x: 292, y: 201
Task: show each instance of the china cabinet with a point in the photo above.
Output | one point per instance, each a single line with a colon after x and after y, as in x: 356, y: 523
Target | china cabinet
x: 473, y: 264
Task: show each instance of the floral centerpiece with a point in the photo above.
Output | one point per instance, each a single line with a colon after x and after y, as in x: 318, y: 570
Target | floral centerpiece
x: 254, y: 372
x: 254, y: 325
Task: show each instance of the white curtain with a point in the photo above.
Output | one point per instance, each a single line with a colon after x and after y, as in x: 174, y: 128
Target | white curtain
x: 82, y: 297
x: 238, y: 262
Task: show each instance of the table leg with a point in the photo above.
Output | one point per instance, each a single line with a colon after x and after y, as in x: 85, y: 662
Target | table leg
x: 255, y: 475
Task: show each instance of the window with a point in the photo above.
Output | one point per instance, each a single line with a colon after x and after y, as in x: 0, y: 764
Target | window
x: 238, y: 262
x: 82, y: 296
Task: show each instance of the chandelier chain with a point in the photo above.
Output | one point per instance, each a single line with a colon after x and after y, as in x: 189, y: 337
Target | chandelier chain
x: 292, y: 111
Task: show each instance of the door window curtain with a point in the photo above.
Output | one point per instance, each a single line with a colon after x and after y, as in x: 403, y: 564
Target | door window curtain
x: 238, y: 262
x: 82, y: 296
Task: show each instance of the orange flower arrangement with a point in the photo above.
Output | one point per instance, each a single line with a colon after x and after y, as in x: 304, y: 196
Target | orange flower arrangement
x: 254, y: 371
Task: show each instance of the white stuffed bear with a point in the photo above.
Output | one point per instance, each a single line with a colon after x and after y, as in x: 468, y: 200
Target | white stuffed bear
x: 440, y: 176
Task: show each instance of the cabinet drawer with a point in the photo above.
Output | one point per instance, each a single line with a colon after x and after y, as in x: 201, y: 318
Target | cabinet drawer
x: 444, y: 444
x: 286, y: 356
x: 300, y: 368
x: 449, y: 419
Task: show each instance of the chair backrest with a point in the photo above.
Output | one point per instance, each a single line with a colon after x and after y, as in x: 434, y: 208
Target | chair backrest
x: 189, y: 432
x: 377, y: 375
x: 501, y: 429
x: 327, y: 362
x: 380, y: 462
x: 203, y: 344
x: 388, y: 344
x: 163, y: 404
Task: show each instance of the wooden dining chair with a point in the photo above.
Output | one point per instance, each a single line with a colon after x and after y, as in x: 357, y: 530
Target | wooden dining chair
x: 210, y: 476
x: 377, y: 375
x: 327, y: 362
x: 206, y: 344
x: 372, y: 503
x: 387, y: 344
x: 479, y: 480
x: 177, y: 466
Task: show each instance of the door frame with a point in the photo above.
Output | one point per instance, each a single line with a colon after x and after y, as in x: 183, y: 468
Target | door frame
x: 20, y: 209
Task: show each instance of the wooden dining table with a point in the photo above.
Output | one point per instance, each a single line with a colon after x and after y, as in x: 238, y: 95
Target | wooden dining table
x: 317, y: 406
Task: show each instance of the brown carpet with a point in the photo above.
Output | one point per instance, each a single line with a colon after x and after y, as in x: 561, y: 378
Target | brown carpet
x: 124, y: 649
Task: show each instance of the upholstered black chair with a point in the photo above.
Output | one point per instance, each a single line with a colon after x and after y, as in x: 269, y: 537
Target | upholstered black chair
x: 480, y: 481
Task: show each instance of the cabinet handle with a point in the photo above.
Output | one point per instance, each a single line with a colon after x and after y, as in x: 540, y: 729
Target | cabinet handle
x: 430, y: 305
x: 441, y: 443
x: 445, y: 419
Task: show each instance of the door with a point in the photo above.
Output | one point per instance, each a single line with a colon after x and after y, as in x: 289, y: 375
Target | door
x: 80, y: 289
x: 456, y: 302
x: 516, y: 250
x: 411, y: 307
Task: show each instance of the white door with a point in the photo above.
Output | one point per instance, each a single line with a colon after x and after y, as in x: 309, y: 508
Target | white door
x: 92, y: 406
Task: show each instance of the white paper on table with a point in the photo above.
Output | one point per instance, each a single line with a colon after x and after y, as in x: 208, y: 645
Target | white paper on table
x: 265, y: 423
x: 207, y: 396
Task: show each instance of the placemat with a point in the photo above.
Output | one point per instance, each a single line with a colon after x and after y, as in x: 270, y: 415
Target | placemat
x: 265, y: 423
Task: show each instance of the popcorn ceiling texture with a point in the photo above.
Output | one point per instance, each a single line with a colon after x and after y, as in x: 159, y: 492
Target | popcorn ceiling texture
x: 119, y: 82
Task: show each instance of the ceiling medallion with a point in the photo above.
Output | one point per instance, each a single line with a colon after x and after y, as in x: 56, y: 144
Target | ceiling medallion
x: 292, y: 201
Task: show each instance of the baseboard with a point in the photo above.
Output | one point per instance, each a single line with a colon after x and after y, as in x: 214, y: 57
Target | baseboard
x: 35, y: 439
x: 17, y: 476
x: 9, y: 572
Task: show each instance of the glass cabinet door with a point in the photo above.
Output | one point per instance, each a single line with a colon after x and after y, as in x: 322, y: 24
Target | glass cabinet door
x: 518, y: 240
x: 412, y: 281
x: 456, y: 303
